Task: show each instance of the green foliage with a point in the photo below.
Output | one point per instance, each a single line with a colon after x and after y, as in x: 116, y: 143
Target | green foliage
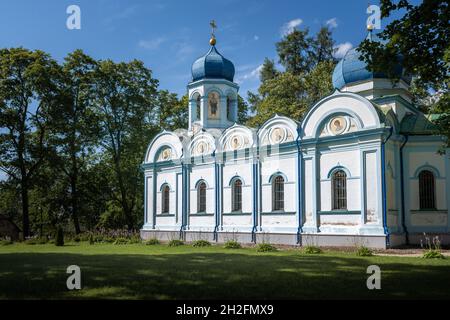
x: 432, y: 246
x: 312, y: 250
x: 433, y: 254
x: 201, y: 243
x: 5, y: 242
x: 232, y: 244
x: 364, y: 252
x: 36, y: 240
x: 91, y: 239
x: 421, y: 37
x: 59, y: 239
x: 175, y: 243
x: 295, y: 52
x: 268, y: 70
x: 152, y: 242
x: 266, y: 247
x: 121, y: 241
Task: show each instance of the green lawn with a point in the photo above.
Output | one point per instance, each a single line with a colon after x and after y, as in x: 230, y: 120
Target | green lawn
x: 160, y: 272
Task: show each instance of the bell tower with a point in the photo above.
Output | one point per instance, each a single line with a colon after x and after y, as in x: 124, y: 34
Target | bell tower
x: 213, y: 101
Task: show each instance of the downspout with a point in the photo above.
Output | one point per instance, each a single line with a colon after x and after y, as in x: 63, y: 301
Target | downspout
x: 402, y: 187
x: 216, y: 227
x: 383, y: 185
x: 300, y: 189
x: 184, y: 200
x: 255, y: 199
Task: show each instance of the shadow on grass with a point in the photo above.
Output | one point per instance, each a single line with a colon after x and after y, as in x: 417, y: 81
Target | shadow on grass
x: 215, y: 276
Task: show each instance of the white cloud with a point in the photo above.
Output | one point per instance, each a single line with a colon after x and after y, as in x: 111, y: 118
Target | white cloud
x: 256, y: 38
x: 341, y: 49
x: 151, y: 44
x: 252, y: 74
x: 332, y: 23
x: 289, y: 26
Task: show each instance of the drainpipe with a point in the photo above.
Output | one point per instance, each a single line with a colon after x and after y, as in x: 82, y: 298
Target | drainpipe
x: 255, y: 199
x: 402, y: 187
x: 216, y: 227
x: 185, y: 193
x: 383, y: 185
x: 300, y: 189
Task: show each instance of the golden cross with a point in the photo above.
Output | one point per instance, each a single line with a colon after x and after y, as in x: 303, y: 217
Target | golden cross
x: 213, y: 26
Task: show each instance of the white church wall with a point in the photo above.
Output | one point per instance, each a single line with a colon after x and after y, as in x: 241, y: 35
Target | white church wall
x: 206, y: 220
x: 148, y: 200
x: 349, y: 162
x: 308, y: 190
x: 372, y: 187
x: 243, y: 170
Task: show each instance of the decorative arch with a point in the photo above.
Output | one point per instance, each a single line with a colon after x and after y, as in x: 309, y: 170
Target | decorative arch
x: 277, y: 130
x: 163, y: 140
x: 428, y: 167
x: 276, y: 174
x: 200, y: 181
x: 164, y: 184
x: 337, y: 168
x: 236, y: 137
x: 202, y: 144
x: 234, y: 178
x: 360, y: 108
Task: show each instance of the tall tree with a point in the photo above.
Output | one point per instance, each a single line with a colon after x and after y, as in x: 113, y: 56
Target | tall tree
x: 27, y: 89
x: 268, y: 70
x: 421, y: 37
x: 323, y: 46
x: 74, y: 131
x: 173, y: 112
x: 125, y: 94
x: 295, y: 51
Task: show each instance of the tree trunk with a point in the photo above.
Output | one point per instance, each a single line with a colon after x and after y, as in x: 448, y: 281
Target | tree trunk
x: 74, y: 191
x: 25, y: 209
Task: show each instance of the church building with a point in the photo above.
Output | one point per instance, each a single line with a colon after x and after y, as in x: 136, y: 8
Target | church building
x: 361, y: 168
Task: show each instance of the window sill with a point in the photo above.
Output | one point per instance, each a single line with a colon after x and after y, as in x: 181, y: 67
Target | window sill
x: 165, y: 215
x: 278, y: 213
x: 237, y: 213
x: 340, y: 212
x: 201, y: 214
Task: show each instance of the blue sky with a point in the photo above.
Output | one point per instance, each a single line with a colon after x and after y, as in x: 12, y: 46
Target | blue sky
x: 169, y: 35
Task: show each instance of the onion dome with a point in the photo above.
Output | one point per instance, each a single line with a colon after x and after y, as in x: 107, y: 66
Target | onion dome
x: 212, y: 66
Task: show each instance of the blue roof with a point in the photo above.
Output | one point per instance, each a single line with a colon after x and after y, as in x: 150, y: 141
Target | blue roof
x: 212, y: 65
x: 352, y: 69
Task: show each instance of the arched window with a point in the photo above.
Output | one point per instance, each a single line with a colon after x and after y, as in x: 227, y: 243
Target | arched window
x: 339, y: 190
x: 236, y: 196
x: 197, y: 108
x: 278, y: 194
x: 201, y: 197
x: 426, y: 190
x: 165, y: 199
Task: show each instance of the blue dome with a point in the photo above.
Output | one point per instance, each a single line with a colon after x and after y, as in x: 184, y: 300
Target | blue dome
x: 352, y: 69
x: 212, y: 65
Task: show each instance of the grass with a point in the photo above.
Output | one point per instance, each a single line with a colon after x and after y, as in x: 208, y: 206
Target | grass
x: 138, y: 271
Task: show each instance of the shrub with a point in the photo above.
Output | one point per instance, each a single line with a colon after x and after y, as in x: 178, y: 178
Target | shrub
x: 5, y: 242
x: 175, y: 243
x: 91, y: 239
x: 201, y: 243
x: 77, y: 238
x: 152, y: 242
x: 433, y: 248
x: 364, y: 252
x: 121, y: 241
x: 59, y: 241
x: 135, y: 239
x: 232, y: 244
x: 33, y: 241
x: 266, y: 247
x: 312, y: 250
x: 433, y: 254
